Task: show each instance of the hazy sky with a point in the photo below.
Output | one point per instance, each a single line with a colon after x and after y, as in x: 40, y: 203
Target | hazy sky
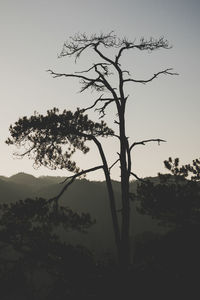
x: 32, y: 34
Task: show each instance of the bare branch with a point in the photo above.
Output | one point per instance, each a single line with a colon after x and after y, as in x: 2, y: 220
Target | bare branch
x: 80, y: 42
x: 93, y: 105
x: 138, y: 178
x: 109, y: 87
x: 165, y: 72
x: 92, y: 84
x: 73, y: 177
x: 55, y: 75
x: 93, y: 67
x: 149, y: 45
x: 103, y: 56
x: 73, y: 48
x: 146, y: 141
x: 102, y: 109
x: 113, y: 164
x: 86, y: 82
x: 100, y: 99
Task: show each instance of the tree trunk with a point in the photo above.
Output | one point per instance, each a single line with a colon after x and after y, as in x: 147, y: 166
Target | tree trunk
x: 111, y: 196
x: 125, y: 225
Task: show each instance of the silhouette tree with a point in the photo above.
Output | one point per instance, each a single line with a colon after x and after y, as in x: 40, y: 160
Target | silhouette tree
x: 175, y: 199
x: 32, y: 227
x: 45, y: 136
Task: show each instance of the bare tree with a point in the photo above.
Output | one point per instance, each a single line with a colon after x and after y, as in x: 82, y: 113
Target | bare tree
x: 97, y: 77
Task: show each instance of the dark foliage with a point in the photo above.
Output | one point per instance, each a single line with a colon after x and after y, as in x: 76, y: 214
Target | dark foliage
x: 175, y: 199
x: 29, y: 231
x: 185, y: 171
x: 171, y: 261
x: 52, y: 139
x: 25, y: 220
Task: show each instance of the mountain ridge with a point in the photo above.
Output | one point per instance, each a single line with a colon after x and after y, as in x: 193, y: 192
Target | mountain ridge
x: 82, y: 196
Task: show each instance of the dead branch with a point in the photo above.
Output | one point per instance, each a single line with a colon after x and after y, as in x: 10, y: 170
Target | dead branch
x: 149, y: 45
x: 80, y: 42
x: 92, y: 84
x: 146, y: 141
x: 113, y: 164
x: 109, y: 87
x: 138, y: 178
x: 102, y: 55
x: 100, y: 99
x: 55, y: 75
x: 101, y: 110
x: 103, y: 65
x: 72, y: 178
x: 93, y: 105
x: 165, y: 72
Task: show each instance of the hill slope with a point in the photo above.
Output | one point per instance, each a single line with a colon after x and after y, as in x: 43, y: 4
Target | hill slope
x: 82, y: 196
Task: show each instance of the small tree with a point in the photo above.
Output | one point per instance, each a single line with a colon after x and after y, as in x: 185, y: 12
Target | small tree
x: 46, y: 135
x: 174, y: 200
x: 31, y: 229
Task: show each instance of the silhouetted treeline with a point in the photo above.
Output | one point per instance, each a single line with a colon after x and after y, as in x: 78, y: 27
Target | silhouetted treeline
x: 40, y: 259
x: 82, y: 196
x: 172, y: 260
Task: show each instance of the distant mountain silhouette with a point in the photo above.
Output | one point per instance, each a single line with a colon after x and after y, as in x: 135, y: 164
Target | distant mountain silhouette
x: 81, y: 196
x: 11, y: 191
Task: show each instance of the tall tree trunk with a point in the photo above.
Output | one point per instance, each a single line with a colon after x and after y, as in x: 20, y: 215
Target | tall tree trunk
x: 111, y: 196
x: 125, y: 225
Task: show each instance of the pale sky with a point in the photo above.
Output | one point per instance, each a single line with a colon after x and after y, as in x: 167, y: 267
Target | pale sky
x: 32, y: 34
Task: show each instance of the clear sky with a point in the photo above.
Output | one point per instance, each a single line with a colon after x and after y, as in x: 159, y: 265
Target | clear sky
x: 32, y: 34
